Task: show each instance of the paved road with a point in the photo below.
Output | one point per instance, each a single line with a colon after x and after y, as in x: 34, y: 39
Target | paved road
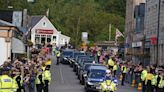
x: 65, y: 80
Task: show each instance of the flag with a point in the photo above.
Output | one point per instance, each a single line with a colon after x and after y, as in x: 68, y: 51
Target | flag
x: 118, y: 34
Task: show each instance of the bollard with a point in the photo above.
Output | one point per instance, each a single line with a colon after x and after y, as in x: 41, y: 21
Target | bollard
x: 121, y: 77
x: 133, y: 83
x: 139, y: 86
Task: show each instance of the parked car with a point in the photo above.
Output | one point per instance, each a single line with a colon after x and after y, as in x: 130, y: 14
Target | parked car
x: 96, y: 76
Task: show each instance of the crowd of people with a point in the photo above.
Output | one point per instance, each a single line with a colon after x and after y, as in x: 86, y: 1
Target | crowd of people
x: 151, y: 77
x: 22, y: 75
x: 34, y: 74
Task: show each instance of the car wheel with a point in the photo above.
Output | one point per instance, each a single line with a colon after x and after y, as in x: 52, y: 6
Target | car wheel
x: 87, y: 90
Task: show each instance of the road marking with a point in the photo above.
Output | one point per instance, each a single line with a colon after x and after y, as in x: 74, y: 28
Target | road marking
x: 61, y: 74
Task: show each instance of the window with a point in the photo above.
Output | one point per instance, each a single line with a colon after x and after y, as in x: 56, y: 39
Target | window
x: 44, y: 24
x: 37, y: 40
x: 48, y: 38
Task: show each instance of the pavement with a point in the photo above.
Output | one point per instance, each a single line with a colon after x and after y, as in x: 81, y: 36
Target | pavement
x: 65, y: 80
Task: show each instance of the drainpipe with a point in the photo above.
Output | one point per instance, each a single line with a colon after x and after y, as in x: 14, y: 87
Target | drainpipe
x: 158, y: 28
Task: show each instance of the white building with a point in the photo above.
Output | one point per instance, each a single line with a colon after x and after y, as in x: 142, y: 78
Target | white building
x: 43, y: 31
x: 10, y: 41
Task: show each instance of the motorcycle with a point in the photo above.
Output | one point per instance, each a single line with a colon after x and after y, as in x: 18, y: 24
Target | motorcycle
x: 108, y: 86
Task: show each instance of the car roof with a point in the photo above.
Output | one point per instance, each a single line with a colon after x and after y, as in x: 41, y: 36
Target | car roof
x: 70, y: 50
x: 98, y: 67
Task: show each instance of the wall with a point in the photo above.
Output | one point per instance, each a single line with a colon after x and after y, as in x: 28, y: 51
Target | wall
x: 47, y: 27
x: 5, y: 50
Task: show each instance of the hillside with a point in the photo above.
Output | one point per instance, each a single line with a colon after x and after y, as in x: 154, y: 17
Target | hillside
x: 75, y: 16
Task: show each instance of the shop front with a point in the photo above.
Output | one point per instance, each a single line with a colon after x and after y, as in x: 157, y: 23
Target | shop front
x: 43, y: 36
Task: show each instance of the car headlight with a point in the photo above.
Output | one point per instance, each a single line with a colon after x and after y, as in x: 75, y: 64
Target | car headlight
x: 116, y: 81
x: 85, y: 75
x: 107, y: 87
x: 65, y: 58
x: 90, y: 83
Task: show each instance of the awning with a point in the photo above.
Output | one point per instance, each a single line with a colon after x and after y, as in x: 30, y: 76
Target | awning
x: 17, y: 46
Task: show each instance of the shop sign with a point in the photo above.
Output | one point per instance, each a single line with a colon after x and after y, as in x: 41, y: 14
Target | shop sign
x: 153, y: 40
x: 136, y: 44
x: 44, y: 31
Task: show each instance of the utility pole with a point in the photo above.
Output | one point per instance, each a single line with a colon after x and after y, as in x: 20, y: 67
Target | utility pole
x: 110, y: 29
x: 158, y: 29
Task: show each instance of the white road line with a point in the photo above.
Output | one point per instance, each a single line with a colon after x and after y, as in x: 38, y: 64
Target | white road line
x: 61, y: 74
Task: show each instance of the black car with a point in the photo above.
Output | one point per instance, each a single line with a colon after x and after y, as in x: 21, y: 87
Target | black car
x: 84, y: 71
x: 79, y: 61
x: 66, y: 54
x: 75, y: 65
x: 75, y: 54
x: 95, y: 77
x: 82, y: 62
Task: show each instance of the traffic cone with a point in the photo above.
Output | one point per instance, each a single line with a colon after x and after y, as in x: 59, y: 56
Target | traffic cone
x: 139, y: 87
x: 120, y: 77
x: 133, y: 83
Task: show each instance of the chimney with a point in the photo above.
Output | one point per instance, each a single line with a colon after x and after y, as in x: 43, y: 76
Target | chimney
x: 25, y: 18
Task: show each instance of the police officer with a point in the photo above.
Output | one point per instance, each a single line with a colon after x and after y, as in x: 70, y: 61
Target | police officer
x: 19, y: 80
x: 6, y: 83
x: 149, y: 78
x: 124, y: 71
x: 143, y: 77
x: 46, y: 78
x: 160, y: 82
x: 98, y: 55
x: 111, y: 63
x: 39, y: 81
x: 115, y: 69
x: 58, y: 57
x: 108, y: 83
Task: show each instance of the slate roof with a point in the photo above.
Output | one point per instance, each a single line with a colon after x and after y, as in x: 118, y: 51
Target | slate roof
x: 34, y: 20
x: 23, y: 29
x: 4, y: 23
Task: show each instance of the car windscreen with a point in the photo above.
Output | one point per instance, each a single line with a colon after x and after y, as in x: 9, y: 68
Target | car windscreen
x: 86, y: 67
x: 86, y: 61
x: 68, y: 53
x: 77, y: 54
x: 97, y: 73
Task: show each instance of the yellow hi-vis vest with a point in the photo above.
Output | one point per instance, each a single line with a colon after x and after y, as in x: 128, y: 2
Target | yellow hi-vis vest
x: 143, y: 75
x: 7, y: 84
x: 108, y: 83
x: 47, y: 75
x: 123, y: 69
x: 15, y: 85
x: 110, y: 62
x: 154, y: 80
x: 37, y: 80
x: 58, y: 54
x: 98, y: 53
x: 48, y: 62
x: 149, y: 76
x: 114, y: 67
x: 161, y: 83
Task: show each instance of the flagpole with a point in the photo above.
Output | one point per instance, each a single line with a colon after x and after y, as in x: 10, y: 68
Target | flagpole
x: 110, y: 28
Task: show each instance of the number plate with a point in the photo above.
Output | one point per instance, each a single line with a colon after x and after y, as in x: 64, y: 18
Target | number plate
x: 97, y: 87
